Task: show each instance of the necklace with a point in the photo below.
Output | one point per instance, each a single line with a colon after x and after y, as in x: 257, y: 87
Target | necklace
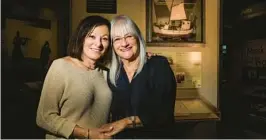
x: 129, y: 69
x: 89, y: 67
x: 82, y: 65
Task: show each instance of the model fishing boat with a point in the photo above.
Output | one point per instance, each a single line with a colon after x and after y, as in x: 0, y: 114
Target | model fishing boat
x: 178, y: 25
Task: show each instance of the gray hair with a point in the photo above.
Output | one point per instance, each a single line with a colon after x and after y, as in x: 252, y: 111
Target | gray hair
x: 120, y: 26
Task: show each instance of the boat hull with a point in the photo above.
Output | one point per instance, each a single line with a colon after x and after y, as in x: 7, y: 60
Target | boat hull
x: 172, y: 33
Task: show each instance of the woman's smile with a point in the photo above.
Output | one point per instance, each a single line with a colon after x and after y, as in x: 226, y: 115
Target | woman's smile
x: 97, y: 50
x: 126, y: 49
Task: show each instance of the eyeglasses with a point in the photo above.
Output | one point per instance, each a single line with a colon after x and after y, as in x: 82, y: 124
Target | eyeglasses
x: 119, y: 40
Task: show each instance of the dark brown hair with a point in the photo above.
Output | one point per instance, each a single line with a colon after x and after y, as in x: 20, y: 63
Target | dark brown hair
x: 85, y: 27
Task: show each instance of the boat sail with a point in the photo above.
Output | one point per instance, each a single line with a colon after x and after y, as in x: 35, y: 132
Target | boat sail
x: 178, y: 25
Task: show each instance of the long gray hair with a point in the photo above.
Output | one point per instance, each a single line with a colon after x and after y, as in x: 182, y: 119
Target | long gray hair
x: 120, y: 26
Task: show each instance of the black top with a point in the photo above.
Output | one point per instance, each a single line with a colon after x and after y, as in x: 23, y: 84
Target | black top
x: 150, y: 95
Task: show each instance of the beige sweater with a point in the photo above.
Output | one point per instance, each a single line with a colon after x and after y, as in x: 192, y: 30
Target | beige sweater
x: 72, y: 96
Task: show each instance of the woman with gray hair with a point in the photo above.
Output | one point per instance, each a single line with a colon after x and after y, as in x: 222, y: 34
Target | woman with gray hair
x: 143, y: 89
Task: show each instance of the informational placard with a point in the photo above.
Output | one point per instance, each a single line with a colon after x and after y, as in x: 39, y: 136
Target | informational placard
x: 254, y: 62
x: 186, y: 67
x: 102, y: 6
x: 254, y: 78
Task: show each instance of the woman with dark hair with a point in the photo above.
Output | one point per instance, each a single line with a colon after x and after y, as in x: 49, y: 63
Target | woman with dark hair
x: 75, y: 98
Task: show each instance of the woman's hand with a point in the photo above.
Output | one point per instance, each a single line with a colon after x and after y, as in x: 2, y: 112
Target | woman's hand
x: 150, y: 55
x: 99, y: 133
x: 92, y: 133
x: 116, y: 126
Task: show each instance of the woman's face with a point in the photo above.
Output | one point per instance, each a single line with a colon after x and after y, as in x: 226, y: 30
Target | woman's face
x: 126, y: 47
x: 96, y: 43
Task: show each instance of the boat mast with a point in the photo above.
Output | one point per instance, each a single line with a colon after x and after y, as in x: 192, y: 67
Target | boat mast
x: 171, y: 12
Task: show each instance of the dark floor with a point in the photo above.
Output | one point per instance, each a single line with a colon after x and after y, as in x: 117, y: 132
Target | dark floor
x: 19, y: 105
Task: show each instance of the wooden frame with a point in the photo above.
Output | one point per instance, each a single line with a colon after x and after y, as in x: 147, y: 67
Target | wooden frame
x: 171, y: 22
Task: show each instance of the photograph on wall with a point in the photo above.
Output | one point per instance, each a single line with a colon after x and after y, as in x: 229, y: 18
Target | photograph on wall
x: 174, y: 21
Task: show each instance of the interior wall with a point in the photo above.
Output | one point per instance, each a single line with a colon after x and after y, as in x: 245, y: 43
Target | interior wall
x: 38, y: 37
x: 209, y: 49
x: 132, y: 8
x: 210, y: 53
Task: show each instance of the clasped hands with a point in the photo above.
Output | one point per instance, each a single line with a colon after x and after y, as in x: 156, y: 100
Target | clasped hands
x: 110, y: 129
